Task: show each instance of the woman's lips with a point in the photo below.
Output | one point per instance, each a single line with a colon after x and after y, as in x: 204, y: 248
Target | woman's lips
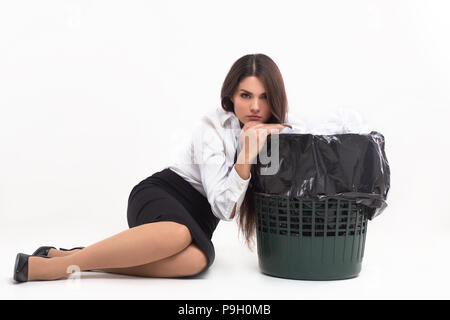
x: 254, y: 117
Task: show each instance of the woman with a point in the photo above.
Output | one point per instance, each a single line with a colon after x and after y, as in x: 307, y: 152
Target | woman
x: 173, y: 213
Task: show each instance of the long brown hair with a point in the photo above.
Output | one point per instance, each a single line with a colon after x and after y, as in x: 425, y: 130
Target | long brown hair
x: 267, y: 71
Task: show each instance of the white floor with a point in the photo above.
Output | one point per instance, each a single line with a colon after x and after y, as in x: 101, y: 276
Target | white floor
x: 396, y: 265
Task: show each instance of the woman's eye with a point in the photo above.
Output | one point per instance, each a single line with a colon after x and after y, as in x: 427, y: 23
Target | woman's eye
x: 244, y: 94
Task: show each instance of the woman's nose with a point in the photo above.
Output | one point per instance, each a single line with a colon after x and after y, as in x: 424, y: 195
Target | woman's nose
x: 255, y: 105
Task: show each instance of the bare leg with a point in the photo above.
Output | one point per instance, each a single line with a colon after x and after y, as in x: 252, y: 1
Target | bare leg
x: 189, y: 261
x: 133, y: 247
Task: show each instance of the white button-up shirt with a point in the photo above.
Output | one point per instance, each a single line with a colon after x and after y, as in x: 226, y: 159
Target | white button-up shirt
x: 207, y: 163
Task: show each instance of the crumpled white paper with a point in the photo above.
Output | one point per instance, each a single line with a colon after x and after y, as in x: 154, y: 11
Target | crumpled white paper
x: 339, y: 121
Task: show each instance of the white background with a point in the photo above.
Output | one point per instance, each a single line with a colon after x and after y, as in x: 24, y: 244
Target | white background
x: 94, y: 96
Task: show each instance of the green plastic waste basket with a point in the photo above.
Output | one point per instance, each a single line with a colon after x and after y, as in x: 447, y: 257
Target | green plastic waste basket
x: 310, y: 239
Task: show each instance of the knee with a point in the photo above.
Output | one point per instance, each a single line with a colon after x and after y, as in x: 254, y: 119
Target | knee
x: 180, y: 231
x: 185, y: 234
x: 197, y: 269
x: 197, y: 262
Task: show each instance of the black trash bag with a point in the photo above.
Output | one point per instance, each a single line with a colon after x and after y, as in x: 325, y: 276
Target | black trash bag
x: 345, y: 166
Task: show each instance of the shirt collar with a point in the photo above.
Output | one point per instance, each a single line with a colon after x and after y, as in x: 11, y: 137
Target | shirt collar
x: 224, y: 116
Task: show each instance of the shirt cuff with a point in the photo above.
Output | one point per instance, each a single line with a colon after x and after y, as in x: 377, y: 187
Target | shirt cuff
x: 238, y: 188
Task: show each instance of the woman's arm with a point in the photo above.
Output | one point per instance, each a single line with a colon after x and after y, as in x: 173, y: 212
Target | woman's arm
x: 223, y: 188
x: 243, y: 164
x: 243, y: 169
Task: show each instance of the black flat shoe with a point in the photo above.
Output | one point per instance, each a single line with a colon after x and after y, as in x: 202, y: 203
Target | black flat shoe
x: 21, y: 267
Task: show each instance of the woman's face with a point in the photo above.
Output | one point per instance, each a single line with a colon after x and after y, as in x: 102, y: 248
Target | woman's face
x: 250, y: 100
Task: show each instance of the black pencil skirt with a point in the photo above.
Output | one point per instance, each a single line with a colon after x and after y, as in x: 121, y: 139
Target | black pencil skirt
x: 166, y: 196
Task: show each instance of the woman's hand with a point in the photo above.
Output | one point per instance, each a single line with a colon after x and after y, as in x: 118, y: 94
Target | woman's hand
x: 253, y: 136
